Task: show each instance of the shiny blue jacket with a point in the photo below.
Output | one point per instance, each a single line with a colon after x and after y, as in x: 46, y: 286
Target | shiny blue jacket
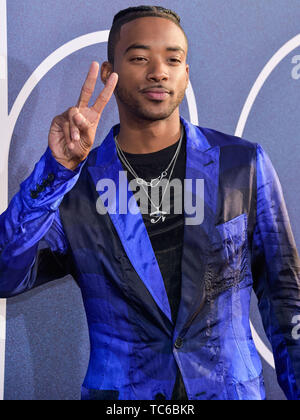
x: 52, y: 228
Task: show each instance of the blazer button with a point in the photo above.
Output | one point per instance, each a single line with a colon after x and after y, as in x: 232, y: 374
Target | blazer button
x: 34, y: 194
x: 50, y: 177
x: 178, y: 343
x: 160, y: 396
x: 45, y: 183
x: 40, y: 188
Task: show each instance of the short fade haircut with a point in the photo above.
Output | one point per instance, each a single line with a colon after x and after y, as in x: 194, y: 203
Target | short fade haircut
x: 132, y: 13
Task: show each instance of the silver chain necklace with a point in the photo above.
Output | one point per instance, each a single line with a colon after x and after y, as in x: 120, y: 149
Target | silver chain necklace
x: 157, y: 214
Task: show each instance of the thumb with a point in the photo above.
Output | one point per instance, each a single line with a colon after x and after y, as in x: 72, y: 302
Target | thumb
x: 74, y: 129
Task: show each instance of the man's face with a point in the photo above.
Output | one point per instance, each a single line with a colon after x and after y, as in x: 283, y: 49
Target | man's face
x: 150, y: 58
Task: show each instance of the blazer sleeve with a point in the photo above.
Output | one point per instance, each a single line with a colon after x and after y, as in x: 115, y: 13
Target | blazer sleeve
x: 276, y: 274
x: 33, y: 245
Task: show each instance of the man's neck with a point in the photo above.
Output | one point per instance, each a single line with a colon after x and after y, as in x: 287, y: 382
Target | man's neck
x: 143, y: 137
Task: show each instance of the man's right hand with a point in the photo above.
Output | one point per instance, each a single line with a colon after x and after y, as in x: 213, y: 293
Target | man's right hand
x: 72, y: 134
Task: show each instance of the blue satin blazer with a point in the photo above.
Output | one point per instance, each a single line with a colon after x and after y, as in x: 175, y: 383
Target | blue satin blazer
x: 52, y: 228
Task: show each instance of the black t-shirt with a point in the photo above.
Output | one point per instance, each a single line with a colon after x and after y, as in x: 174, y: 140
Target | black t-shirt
x: 166, y: 236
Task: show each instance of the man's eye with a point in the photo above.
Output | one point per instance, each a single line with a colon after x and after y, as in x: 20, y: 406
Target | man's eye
x: 137, y: 59
x: 175, y: 60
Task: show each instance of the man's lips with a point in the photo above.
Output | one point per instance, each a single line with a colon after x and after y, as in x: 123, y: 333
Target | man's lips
x: 157, y: 94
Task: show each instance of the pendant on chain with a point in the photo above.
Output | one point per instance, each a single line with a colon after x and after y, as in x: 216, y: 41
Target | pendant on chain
x: 158, y: 215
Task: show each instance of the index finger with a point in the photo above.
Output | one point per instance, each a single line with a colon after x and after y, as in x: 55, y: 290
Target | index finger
x: 89, y: 85
x: 106, y: 93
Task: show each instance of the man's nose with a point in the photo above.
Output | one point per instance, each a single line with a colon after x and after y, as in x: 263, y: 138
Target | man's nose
x: 158, y: 72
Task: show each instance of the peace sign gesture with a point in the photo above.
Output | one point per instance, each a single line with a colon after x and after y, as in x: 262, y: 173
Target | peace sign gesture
x: 72, y: 134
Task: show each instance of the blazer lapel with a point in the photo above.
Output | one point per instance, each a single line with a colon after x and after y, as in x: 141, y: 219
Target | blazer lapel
x: 130, y: 225
x: 202, y: 163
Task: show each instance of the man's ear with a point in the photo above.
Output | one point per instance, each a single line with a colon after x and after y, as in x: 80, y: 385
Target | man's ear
x: 106, y: 71
x: 187, y: 73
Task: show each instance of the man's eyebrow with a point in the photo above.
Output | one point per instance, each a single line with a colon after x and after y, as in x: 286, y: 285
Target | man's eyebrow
x: 137, y: 46
x: 176, y: 49
x: 147, y: 47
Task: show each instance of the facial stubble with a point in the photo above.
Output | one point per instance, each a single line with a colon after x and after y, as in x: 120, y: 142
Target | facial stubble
x: 140, y: 111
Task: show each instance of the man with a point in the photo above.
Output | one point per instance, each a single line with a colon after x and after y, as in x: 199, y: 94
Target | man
x: 167, y: 297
